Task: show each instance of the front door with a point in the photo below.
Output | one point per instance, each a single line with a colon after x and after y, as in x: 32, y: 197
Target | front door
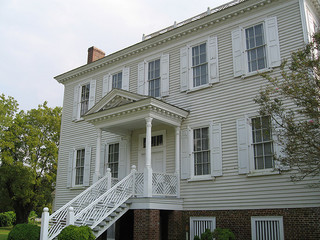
x: 158, y: 153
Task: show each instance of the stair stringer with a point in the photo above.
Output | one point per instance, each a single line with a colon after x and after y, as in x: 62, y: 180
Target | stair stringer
x: 110, y: 220
x: 107, y: 205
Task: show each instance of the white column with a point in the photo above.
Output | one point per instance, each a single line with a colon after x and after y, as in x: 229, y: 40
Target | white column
x: 177, y: 159
x: 98, y: 150
x: 148, y: 170
x: 44, y: 224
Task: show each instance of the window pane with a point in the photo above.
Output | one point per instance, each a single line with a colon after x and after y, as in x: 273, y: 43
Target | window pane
x: 201, y: 152
x: 262, y: 142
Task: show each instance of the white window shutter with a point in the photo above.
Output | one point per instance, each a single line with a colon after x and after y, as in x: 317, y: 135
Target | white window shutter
x: 164, y: 71
x: 184, y: 69
x: 70, y: 169
x: 76, y: 100
x: 141, y: 76
x: 106, y: 84
x: 125, y: 78
x: 86, y: 172
x: 277, y: 146
x: 243, y: 146
x: 213, y: 59
x: 92, y: 94
x: 185, y: 153
x: 216, y: 149
x: 273, y: 42
x: 238, y: 67
x: 122, y: 159
x: 103, y: 158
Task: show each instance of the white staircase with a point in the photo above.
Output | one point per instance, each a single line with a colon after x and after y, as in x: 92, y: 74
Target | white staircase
x: 99, y: 206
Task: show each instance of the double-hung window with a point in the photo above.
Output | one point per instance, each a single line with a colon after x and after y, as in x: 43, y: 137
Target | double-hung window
x: 117, y: 78
x: 257, y: 146
x: 153, y: 76
x: 113, y: 159
x: 201, y: 151
x: 262, y: 142
x: 84, y: 98
x: 79, y: 167
x: 199, y: 64
x: 256, y: 47
x: 84, y: 101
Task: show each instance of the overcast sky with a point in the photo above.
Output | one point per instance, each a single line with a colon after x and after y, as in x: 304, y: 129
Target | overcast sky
x: 40, y: 39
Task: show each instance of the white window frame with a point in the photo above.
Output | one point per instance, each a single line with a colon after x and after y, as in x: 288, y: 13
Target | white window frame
x: 71, y: 175
x: 186, y: 67
x: 74, y: 180
x: 107, y: 149
x: 193, y: 219
x: 76, y: 115
x: 153, y: 79
x: 272, y: 47
x: 187, y: 153
x: 278, y: 219
x: 107, y: 79
x: 246, y: 163
x: 143, y: 81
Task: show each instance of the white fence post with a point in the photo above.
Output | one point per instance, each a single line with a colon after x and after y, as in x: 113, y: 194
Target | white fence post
x: 70, y: 216
x: 44, y: 224
x: 108, y: 178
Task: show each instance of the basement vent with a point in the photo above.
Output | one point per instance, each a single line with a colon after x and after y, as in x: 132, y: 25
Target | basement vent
x: 267, y: 228
x: 198, y: 225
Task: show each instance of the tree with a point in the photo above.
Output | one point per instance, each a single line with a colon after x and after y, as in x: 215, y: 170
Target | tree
x: 28, y: 157
x: 292, y: 101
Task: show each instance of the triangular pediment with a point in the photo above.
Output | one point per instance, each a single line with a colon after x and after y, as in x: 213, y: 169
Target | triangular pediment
x: 115, y: 98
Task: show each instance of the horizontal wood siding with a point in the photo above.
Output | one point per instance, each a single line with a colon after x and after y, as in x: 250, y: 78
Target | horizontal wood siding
x: 224, y: 102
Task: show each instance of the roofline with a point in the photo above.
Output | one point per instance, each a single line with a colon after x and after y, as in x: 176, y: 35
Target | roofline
x: 187, y: 28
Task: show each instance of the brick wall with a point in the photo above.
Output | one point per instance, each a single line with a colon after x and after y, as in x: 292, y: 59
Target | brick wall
x: 146, y: 224
x: 299, y: 223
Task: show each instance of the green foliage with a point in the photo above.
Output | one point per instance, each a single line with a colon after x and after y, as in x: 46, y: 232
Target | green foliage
x: 28, y: 157
x: 76, y: 233
x: 32, y: 217
x: 292, y: 100
x: 7, y: 219
x: 206, y: 235
x: 223, y: 234
x: 24, y: 232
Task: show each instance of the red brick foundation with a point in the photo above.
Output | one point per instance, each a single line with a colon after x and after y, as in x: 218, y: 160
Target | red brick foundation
x: 146, y: 224
x: 299, y: 223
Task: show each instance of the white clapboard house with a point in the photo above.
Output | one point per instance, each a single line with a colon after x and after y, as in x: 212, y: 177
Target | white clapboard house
x: 162, y: 139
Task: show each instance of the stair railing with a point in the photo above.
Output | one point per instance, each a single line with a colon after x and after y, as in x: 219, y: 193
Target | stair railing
x: 57, y: 221
x: 102, y: 207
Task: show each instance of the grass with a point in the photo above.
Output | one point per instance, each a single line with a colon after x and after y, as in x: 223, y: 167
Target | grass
x: 4, y: 231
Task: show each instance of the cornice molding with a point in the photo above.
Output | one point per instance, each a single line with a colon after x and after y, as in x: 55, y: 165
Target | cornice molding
x: 168, y: 36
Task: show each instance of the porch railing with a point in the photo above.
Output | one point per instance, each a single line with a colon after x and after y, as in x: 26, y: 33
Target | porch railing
x: 57, y: 221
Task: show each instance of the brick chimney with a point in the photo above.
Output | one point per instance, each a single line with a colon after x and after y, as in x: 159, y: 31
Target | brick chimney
x: 94, y: 54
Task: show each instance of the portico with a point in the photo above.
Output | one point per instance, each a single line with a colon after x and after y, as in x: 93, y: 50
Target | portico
x: 121, y: 112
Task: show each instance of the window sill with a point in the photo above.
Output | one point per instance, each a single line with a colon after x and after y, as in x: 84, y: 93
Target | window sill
x: 208, y: 85
x: 77, y: 188
x: 250, y: 74
x: 267, y: 172
x: 201, y: 178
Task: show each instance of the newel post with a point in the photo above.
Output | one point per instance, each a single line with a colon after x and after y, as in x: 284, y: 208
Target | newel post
x: 108, y: 178
x: 44, y: 224
x: 70, y: 216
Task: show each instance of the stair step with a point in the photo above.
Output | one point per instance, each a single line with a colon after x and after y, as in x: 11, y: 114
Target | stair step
x: 102, y: 224
x: 96, y: 229
x: 107, y: 219
x: 113, y: 214
x: 118, y: 210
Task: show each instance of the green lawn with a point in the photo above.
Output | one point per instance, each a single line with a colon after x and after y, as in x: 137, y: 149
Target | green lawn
x: 4, y: 231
